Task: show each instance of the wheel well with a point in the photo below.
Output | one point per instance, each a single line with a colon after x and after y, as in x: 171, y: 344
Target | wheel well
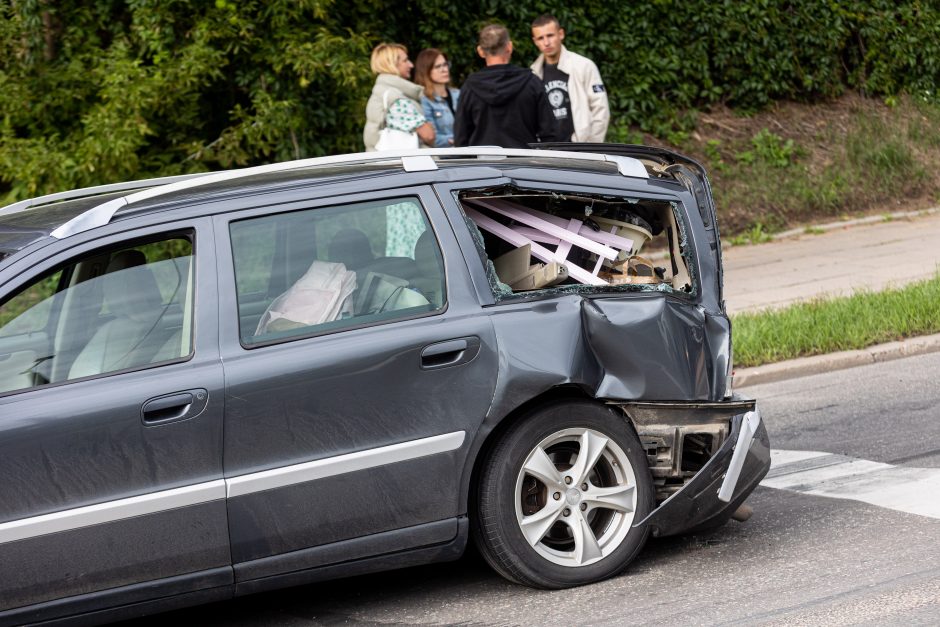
x: 564, y: 392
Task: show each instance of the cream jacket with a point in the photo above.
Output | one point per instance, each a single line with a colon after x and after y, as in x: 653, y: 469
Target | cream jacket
x: 590, y: 112
x: 396, y: 87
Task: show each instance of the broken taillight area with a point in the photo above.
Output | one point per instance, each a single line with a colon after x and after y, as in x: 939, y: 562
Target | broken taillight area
x: 680, y: 438
x: 676, y: 453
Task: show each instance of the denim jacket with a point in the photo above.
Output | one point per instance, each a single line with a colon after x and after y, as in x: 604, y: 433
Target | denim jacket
x: 440, y: 115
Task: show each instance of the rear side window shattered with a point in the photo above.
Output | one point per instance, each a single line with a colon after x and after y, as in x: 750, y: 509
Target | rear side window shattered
x: 534, y: 242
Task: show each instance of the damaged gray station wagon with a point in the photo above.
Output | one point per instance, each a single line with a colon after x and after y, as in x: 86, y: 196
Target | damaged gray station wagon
x: 219, y: 384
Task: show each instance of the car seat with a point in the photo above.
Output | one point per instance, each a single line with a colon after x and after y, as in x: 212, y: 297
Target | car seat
x: 430, y: 278
x: 134, y: 336
x: 351, y: 248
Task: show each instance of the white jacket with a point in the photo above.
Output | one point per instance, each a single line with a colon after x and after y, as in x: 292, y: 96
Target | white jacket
x: 387, y: 89
x: 590, y: 112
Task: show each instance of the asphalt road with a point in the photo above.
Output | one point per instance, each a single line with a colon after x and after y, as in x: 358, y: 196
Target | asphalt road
x: 801, y: 559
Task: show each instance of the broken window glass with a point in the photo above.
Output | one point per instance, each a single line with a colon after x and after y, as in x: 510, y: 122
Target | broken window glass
x: 536, y: 240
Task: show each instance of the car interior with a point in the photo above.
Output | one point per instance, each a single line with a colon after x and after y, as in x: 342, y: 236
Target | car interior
x: 317, y: 270
x: 536, y: 240
x: 110, y: 311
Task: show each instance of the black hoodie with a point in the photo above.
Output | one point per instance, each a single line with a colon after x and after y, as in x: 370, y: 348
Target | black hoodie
x: 504, y: 105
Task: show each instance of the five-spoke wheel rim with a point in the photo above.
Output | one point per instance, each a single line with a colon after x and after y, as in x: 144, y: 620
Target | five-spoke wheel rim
x: 575, y: 497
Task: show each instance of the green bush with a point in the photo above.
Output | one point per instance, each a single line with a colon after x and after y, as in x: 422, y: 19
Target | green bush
x: 104, y: 90
x: 769, y: 148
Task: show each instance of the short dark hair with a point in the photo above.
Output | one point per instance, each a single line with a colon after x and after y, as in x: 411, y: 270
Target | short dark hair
x: 494, y: 39
x: 544, y: 20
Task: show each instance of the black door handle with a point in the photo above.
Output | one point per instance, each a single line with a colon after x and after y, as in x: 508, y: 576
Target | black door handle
x: 172, y: 407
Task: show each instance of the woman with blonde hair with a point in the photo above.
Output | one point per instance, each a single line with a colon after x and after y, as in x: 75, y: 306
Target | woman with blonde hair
x: 439, y: 100
x: 395, y: 101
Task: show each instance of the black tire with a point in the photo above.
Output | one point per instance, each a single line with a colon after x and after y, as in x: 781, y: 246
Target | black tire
x: 508, y: 499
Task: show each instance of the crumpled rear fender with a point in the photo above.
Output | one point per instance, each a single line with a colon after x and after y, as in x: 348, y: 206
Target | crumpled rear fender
x: 638, y: 346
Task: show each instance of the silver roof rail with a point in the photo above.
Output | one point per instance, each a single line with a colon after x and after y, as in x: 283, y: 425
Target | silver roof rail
x: 411, y: 161
x: 98, y: 190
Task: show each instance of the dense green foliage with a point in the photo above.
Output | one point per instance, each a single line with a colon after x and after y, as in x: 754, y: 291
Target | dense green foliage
x: 106, y: 90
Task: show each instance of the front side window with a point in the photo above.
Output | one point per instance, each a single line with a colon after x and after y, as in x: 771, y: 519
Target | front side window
x: 108, y: 311
x: 314, y: 271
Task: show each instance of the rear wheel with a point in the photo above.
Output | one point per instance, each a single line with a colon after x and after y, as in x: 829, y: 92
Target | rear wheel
x: 560, y: 494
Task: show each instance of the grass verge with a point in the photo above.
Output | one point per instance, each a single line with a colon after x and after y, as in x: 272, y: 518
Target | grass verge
x: 826, y: 326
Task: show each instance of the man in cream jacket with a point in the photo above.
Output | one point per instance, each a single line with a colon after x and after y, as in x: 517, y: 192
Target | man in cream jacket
x: 572, y: 83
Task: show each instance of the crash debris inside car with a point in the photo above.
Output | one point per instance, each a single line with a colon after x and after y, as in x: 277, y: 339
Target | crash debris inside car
x: 535, y: 240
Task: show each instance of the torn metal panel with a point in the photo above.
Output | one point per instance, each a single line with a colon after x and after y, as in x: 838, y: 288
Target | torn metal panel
x: 649, y: 347
x: 695, y: 506
x: 630, y: 347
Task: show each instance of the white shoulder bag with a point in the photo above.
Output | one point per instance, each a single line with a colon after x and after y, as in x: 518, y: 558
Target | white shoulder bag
x: 393, y: 139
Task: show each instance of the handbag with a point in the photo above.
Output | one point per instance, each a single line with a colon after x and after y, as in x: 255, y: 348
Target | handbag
x: 393, y: 139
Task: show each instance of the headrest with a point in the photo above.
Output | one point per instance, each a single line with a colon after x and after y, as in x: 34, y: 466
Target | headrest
x: 125, y: 259
x: 427, y: 256
x: 351, y: 248
x: 129, y: 287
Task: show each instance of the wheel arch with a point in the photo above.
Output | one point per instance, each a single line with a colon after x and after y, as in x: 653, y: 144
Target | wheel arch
x: 487, y: 439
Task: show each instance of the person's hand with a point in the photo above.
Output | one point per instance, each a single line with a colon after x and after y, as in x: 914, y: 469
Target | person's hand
x: 426, y: 133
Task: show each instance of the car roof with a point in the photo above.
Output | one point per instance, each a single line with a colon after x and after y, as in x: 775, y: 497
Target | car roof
x: 66, y: 213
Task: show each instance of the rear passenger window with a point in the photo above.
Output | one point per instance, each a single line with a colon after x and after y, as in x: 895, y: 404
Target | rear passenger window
x: 330, y: 268
x: 111, y: 310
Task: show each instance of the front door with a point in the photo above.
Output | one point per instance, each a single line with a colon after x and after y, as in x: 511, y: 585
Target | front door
x: 111, y: 423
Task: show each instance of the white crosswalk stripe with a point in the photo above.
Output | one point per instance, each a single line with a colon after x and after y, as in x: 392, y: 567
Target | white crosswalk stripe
x: 911, y: 490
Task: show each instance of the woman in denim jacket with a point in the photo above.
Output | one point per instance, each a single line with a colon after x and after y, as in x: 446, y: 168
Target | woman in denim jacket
x: 439, y: 99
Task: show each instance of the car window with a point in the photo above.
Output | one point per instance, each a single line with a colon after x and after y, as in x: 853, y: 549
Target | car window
x: 552, y: 242
x: 29, y: 311
x: 329, y: 268
x: 108, y: 311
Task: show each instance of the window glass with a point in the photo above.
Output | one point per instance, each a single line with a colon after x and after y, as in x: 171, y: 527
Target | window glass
x: 258, y: 247
x: 334, y: 267
x: 28, y: 311
x: 108, y: 311
x: 576, y: 242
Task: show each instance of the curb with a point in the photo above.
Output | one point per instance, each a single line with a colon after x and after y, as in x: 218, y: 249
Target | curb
x: 818, y: 364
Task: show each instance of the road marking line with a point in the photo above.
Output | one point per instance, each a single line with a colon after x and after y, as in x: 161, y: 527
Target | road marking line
x: 911, y: 490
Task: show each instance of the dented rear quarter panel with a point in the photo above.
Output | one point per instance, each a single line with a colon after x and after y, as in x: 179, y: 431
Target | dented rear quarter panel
x: 615, y: 344
x: 642, y: 346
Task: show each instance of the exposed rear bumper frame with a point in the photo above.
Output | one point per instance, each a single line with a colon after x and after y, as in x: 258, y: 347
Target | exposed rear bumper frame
x: 710, y: 497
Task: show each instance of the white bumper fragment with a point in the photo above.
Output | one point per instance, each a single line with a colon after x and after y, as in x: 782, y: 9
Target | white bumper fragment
x: 749, y: 427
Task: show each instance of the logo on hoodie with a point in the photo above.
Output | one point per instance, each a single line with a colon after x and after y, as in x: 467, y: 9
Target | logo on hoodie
x: 557, y: 92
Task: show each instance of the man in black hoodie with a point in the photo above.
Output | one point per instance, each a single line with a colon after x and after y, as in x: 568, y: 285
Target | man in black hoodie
x: 502, y: 104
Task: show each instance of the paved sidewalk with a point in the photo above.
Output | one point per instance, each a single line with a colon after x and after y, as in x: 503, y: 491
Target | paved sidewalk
x: 849, y: 256
x: 868, y: 254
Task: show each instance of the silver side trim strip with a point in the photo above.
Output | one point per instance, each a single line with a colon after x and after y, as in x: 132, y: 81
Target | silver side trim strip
x: 67, y: 520
x: 341, y: 464
x: 110, y: 511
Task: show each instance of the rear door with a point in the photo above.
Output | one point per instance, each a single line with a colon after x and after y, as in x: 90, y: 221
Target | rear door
x: 111, y: 432
x: 358, y: 368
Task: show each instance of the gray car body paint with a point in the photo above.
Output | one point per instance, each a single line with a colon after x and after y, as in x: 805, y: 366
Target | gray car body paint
x: 615, y: 345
